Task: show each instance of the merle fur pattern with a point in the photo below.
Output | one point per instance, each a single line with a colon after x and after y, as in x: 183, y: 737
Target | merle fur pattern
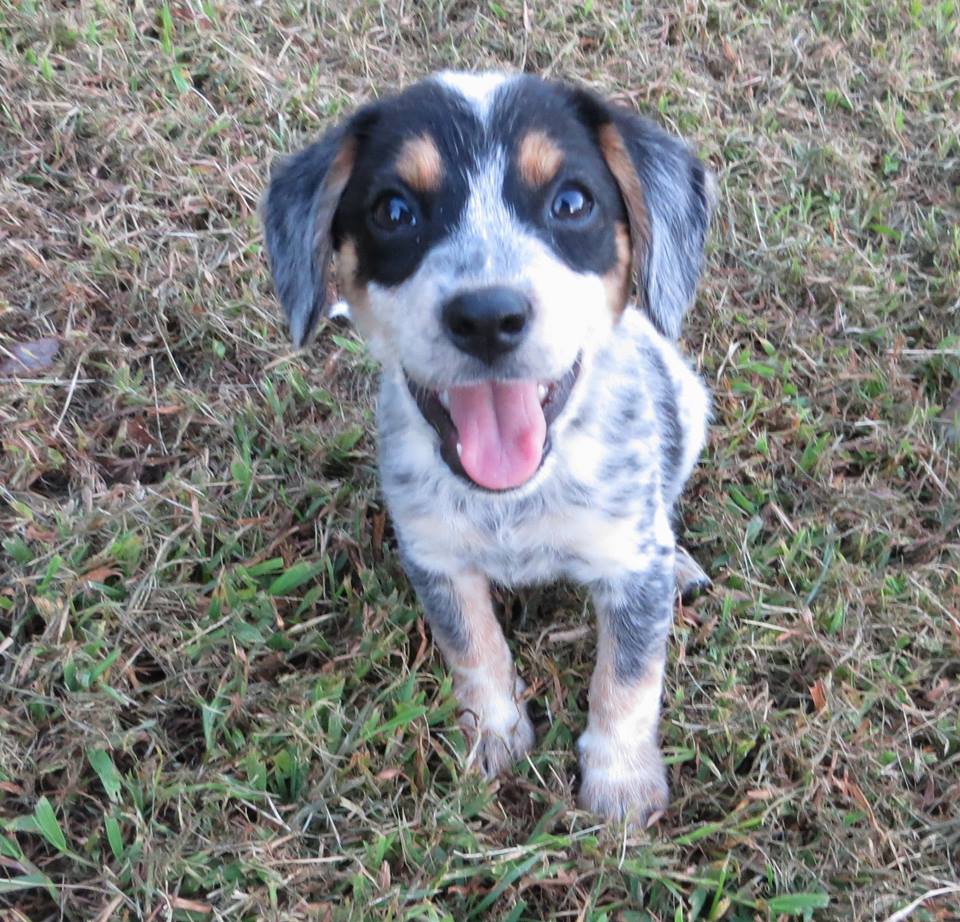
x: 599, y: 509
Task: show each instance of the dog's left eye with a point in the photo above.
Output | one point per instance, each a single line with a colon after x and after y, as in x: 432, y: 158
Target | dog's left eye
x: 392, y: 212
x: 571, y: 203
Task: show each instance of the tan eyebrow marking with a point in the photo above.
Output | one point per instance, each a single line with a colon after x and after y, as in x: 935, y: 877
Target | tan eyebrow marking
x: 419, y: 164
x: 538, y: 158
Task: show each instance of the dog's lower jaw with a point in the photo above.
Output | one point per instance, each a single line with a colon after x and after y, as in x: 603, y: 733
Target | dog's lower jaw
x: 495, y: 723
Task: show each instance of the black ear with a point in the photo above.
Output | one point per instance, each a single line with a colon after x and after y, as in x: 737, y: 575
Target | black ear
x: 298, y: 212
x: 668, y: 194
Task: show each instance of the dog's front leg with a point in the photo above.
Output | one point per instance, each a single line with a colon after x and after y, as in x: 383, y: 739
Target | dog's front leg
x: 622, y: 771
x: 460, y: 614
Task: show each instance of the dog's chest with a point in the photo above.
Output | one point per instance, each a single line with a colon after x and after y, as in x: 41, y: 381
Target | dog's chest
x: 526, y: 544
x: 593, y: 518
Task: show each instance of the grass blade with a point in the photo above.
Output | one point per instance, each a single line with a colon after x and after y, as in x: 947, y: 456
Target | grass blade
x: 797, y: 904
x: 48, y: 825
x: 296, y: 576
x: 102, y: 764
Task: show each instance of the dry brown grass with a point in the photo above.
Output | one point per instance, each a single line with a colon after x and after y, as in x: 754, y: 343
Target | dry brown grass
x: 217, y: 699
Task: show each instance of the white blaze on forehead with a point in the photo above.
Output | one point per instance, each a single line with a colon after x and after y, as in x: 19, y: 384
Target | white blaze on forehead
x: 488, y: 228
x: 478, y: 88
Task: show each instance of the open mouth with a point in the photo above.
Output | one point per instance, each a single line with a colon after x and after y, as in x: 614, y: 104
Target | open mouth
x: 495, y: 434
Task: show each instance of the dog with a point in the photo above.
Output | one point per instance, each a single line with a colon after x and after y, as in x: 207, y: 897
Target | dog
x: 534, y: 422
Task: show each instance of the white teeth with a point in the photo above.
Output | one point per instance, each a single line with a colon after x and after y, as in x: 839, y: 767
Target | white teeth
x: 444, y: 398
x: 542, y: 392
x: 459, y: 449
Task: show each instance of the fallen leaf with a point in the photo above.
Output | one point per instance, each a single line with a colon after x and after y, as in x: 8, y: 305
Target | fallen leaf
x: 728, y: 52
x: 950, y: 417
x: 379, y: 526
x: 819, y: 695
x: 29, y: 358
x: 943, y: 687
x: 36, y: 534
x: 178, y: 902
x: 139, y: 433
x: 99, y: 574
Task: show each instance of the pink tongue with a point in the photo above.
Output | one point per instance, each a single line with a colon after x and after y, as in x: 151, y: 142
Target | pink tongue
x: 501, y: 429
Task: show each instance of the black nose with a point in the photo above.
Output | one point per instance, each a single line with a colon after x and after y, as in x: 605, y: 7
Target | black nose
x: 487, y: 322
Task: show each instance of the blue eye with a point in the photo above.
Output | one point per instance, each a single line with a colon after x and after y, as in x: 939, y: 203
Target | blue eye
x: 392, y: 212
x: 571, y: 203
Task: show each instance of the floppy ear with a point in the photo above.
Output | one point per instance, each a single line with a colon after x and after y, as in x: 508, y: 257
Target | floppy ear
x: 298, y: 212
x: 668, y: 194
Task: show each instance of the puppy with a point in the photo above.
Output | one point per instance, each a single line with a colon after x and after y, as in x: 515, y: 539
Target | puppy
x: 533, y: 423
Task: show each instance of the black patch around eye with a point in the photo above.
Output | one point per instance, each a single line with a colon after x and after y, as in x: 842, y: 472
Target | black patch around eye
x: 582, y: 235
x: 391, y: 246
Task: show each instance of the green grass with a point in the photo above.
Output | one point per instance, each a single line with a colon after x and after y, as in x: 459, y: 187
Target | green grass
x: 217, y: 696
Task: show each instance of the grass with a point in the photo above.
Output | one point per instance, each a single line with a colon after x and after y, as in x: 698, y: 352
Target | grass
x: 217, y: 696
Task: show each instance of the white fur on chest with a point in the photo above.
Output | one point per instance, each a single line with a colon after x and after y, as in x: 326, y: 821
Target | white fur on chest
x: 569, y: 541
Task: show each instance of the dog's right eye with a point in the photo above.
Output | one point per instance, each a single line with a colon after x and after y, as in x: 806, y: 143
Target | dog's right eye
x: 392, y: 212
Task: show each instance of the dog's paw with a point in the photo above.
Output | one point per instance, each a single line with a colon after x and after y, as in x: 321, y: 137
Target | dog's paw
x: 635, y: 799
x: 691, y: 579
x: 497, y: 727
x: 619, y: 787
x: 495, y: 751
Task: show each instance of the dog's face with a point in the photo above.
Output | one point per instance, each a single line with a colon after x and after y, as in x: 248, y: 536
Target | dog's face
x: 487, y: 228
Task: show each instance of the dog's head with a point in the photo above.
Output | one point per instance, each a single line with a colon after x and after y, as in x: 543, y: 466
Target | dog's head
x: 488, y: 228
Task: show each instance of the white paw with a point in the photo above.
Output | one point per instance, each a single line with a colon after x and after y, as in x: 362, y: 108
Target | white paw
x: 496, y: 724
x: 622, y: 785
x: 690, y: 577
